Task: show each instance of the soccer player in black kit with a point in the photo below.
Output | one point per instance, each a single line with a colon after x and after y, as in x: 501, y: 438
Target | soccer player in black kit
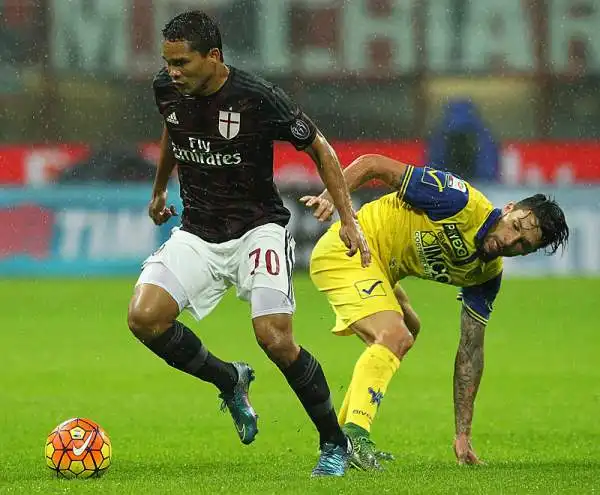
x: 220, y: 124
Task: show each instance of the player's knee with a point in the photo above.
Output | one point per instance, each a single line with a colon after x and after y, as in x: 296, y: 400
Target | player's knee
x: 412, y: 321
x: 152, y: 310
x: 274, y: 335
x: 415, y: 327
x: 145, y: 323
x: 397, y: 339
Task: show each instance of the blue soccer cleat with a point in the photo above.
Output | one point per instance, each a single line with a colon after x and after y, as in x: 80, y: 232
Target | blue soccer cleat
x: 333, y: 460
x: 242, y: 412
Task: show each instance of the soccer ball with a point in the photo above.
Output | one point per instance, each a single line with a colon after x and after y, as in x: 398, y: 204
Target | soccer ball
x: 78, y: 448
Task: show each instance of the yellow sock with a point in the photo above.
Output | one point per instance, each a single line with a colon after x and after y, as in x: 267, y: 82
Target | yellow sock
x: 344, y: 409
x: 372, y: 374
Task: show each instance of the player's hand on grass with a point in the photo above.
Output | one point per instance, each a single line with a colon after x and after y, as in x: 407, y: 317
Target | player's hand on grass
x: 464, y: 451
x: 158, y: 211
x: 352, y: 236
x: 323, y: 208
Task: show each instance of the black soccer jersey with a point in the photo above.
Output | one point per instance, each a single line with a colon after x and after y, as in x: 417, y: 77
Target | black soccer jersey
x: 223, y: 144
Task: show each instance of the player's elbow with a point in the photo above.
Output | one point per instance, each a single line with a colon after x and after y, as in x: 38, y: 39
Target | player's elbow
x: 368, y: 161
x: 379, y: 167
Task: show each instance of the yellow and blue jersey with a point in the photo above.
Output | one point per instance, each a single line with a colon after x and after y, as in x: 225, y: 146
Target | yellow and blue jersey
x: 432, y: 229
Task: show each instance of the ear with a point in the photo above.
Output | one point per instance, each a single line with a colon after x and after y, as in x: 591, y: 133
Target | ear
x: 215, y: 54
x: 508, y: 207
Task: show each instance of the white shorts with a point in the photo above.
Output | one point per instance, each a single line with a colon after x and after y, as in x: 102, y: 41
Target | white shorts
x: 262, y: 258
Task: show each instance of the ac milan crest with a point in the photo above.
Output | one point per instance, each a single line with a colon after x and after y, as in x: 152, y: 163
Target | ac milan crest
x: 229, y: 124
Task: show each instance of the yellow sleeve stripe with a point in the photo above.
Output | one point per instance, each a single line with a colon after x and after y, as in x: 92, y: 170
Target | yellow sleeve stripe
x: 405, y: 180
x: 475, y: 315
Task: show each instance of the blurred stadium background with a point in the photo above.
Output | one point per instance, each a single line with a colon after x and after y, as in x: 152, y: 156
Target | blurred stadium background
x: 504, y: 92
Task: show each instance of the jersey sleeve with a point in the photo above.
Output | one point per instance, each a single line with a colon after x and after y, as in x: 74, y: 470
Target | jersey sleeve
x: 438, y: 193
x: 285, y: 121
x: 479, y: 299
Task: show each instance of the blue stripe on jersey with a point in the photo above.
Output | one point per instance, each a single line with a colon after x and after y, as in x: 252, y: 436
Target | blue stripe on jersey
x: 492, y: 218
x: 478, y: 299
x: 439, y: 194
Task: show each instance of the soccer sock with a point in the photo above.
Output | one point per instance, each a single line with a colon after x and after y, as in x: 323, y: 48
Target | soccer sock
x: 372, y: 374
x: 343, y: 412
x: 307, y: 379
x: 182, y: 349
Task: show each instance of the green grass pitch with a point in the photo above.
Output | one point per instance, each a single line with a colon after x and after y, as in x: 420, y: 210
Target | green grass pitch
x: 66, y: 351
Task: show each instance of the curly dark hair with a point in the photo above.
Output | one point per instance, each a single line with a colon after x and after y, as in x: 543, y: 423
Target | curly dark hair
x: 552, y: 221
x: 197, y: 28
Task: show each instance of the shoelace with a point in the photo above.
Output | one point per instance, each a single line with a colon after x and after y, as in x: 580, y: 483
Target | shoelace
x: 236, y: 399
x: 360, y: 441
x: 371, y: 453
x: 379, y: 454
x: 330, y: 461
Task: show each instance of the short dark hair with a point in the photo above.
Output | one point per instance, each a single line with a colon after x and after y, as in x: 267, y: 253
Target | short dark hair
x: 551, y: 218
x: 197, y: 28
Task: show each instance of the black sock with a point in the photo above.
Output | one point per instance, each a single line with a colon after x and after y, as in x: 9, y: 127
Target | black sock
x: 307, y: 379
x: 182, y: 349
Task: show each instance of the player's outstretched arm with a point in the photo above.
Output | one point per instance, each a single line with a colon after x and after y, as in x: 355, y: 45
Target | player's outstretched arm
x: 157, y: 209
x: 468, y: 369
x: 330, y: 171
x: 369, y: 167
x: 359, y: 172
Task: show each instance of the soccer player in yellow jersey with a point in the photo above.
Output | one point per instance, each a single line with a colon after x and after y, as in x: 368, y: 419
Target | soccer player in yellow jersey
x: 434, y: 226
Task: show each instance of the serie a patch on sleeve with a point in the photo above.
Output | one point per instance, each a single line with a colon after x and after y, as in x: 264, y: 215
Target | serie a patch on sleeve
x: 456, y: 183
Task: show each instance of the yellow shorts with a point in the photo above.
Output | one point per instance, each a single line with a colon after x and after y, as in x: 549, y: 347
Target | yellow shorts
x: 354, y: 292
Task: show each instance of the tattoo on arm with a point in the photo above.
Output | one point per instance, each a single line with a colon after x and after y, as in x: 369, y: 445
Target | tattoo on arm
x: 468, y: 368
x: 397, y: 181
x: 396, y: 186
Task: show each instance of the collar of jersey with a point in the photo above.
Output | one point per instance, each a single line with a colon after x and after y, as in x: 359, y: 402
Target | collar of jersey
x: 489, y: 222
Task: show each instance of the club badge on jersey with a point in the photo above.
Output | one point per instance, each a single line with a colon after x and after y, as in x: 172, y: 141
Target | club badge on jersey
x: 229, y: 124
